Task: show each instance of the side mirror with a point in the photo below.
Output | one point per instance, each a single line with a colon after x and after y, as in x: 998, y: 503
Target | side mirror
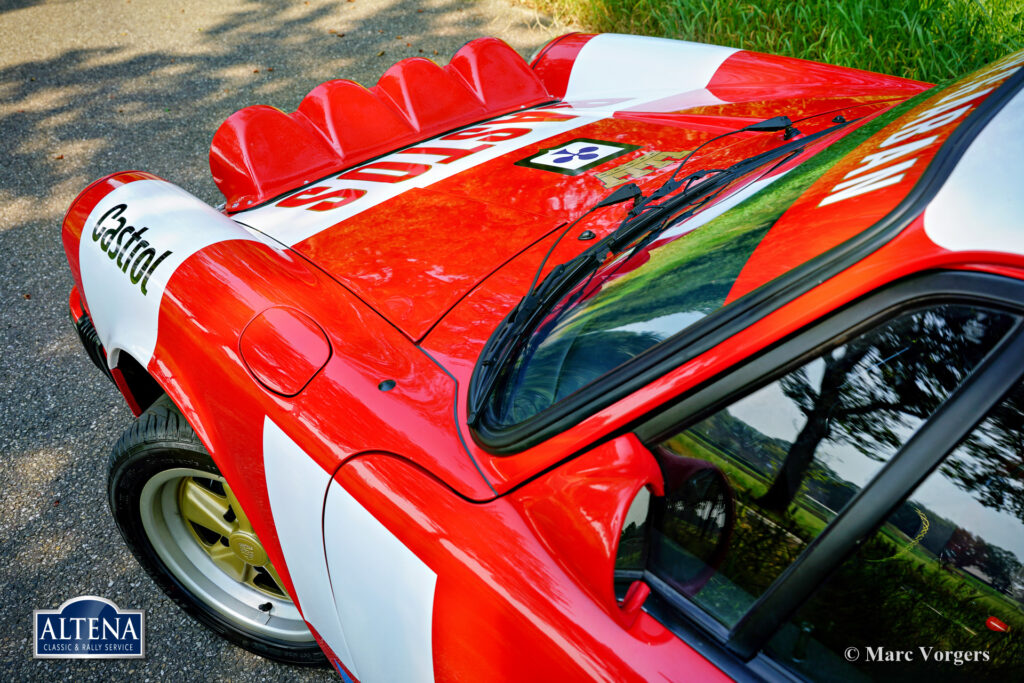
x: 579, y: 511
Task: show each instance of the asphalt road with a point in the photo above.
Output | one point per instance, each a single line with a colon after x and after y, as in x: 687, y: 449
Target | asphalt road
x: 89, y: 87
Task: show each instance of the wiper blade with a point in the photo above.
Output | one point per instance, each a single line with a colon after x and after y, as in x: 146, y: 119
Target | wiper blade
x: 646, y: 214
x: 645, y: 220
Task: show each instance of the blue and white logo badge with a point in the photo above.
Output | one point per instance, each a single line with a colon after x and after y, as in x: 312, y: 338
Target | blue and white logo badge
x: 576, y: 156
x: 89, y: 628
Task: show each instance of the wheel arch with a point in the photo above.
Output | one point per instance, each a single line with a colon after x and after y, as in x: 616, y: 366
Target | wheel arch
x: 139, y: 388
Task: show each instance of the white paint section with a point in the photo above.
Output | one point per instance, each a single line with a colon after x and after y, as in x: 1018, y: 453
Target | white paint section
x: 884, y: 156
x: 384, y: 594
x: 157, y: 227
x: 297, y: 487
x: 980, y: 206
x: 638, y: 66
x: 679, y: 102
x: 862, y: 184
x: 293, y: 225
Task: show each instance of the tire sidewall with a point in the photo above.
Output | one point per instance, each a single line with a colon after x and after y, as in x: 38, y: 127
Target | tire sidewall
x: 136, y: 459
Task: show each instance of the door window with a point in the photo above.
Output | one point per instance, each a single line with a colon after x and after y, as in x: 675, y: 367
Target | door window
x: 750, y: 486
x: 939, y: 589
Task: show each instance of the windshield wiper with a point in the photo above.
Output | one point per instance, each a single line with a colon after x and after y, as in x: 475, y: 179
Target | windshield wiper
x: 645, y: 220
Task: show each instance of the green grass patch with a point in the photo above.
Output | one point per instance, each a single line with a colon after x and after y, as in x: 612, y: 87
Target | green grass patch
x: 928, y: 40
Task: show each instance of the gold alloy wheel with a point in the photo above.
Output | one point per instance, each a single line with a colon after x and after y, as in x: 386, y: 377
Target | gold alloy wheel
x: 222, y: 530
x: 202, y: 538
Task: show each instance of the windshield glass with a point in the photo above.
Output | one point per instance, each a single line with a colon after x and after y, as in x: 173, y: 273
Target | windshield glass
x: 640, y: 299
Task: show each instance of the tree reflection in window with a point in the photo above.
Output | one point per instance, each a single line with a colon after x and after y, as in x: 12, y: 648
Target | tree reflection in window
x: 793, y: 453
x: 945, y: 573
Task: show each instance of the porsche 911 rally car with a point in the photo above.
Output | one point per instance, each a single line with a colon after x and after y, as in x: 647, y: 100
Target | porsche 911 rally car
x: 646, y: 360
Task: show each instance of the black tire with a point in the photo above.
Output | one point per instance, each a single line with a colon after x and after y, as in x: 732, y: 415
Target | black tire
x: 153, y: 451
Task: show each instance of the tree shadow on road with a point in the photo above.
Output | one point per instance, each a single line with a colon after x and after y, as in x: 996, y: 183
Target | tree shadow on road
x: 90, y: 109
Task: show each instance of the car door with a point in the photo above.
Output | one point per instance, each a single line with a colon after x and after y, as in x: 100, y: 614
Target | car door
x: 814, y: 458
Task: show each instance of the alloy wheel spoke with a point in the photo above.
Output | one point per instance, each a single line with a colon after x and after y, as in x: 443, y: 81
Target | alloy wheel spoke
x: 277, y: 579
x: 232, y: 565
x: 204, y: 508
x: 243, y: 521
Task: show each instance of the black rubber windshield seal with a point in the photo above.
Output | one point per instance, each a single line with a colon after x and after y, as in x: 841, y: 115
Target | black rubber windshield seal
x: 726, y: 322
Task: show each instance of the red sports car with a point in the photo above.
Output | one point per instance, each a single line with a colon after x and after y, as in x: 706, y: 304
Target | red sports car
x: 646, y: 360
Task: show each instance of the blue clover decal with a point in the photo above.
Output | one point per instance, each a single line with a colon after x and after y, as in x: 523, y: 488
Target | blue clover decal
x: 564, y: 155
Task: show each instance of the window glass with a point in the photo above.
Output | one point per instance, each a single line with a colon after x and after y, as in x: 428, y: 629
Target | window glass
x: 645, y: 296
x: 632, y: 549
x: 939, y: 589
x: 748, y: 487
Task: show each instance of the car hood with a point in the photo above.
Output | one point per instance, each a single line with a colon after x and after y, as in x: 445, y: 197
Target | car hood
x: 414, y: 231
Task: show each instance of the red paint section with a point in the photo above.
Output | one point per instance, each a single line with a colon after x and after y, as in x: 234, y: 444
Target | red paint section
x: 500, y: 80
x: 578, y: 511
x: 416, y: 255
x: 428, y: 96
x: 554, y: 62
x: 253, y: 154
x: 755, y: 75
x: 339, y: 414
x: 284, y: 348
x: 503, y: 593
x: 355, y: 120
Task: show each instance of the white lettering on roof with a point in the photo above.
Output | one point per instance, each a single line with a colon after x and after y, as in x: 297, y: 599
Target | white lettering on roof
x: 947, y: 110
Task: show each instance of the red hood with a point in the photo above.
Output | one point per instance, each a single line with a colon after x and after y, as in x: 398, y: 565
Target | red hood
x: 414, y: 231
x: 412, y: 255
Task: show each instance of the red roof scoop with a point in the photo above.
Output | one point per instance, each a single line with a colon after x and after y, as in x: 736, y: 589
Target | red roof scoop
x: 355, y: 120
x: 499, y: 77
x: 433, y: 99
x: 255, y: 154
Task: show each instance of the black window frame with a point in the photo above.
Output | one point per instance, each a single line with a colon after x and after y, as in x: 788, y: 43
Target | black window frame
x: 738, y: 651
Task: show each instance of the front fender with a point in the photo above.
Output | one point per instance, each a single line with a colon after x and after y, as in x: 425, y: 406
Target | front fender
x: 124, y: 237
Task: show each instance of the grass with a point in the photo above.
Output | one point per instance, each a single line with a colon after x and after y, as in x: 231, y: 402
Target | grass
x: 928, y: 40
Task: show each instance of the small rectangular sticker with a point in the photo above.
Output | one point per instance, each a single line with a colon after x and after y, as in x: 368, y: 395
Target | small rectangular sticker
x: 576, y: 156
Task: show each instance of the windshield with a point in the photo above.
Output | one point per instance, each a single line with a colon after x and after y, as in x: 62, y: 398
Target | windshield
x: 645, y: 296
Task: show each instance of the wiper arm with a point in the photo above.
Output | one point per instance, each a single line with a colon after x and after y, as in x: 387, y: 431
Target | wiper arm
x: 644, y: 217
x: 648, y: 217
x: 623, y: 234
x: 536, y: 295
x: 771, y: 125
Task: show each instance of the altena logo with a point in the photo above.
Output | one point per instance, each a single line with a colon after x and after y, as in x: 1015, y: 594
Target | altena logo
x: 89, y: 627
